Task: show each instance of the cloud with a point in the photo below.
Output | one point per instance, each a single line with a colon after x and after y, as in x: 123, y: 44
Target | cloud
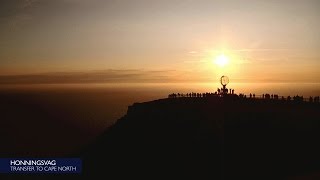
x: 106, y: 76
x: 11, y: 8
x: 17, y: 13
x: 195, y: 62
x: 259, y: 49
x: 29, y: 3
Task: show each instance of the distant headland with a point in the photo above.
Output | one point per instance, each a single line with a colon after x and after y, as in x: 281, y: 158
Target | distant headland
x: 218, y: 135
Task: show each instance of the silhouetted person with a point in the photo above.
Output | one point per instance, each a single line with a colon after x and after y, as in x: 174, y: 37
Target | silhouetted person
x: 310, y: 99
x: 267, y: 96
x: 298, y: 98
x: 254, y: 95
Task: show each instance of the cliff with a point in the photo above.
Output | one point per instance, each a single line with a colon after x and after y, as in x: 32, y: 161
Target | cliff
x: 212, y: 137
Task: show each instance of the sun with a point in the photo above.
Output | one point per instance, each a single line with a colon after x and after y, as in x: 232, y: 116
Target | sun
x: 221, y: 60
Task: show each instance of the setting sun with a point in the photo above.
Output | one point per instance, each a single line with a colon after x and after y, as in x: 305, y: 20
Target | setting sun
x: 221, y: 60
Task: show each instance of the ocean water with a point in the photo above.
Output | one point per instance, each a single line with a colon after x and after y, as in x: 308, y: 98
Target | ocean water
x: 59, y: 119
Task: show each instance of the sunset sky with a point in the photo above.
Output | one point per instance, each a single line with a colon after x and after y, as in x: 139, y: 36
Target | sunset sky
x: 162, y: 40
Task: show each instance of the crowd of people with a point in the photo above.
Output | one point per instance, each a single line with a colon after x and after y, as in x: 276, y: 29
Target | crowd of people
x: 221, y: 92
x: 178, y: 95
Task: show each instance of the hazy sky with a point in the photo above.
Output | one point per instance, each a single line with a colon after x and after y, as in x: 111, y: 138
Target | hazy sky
x: 274, y: 40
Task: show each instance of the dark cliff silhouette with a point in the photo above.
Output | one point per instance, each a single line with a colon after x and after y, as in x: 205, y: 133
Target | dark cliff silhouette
x: 210, y: 137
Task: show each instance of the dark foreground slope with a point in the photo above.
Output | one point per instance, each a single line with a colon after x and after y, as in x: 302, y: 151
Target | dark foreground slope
x: 216, y: 138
